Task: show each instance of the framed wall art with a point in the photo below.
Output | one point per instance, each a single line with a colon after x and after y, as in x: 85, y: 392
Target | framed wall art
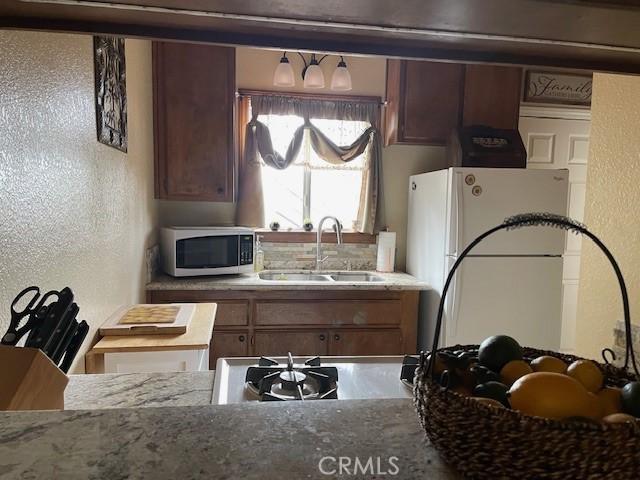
x: 111, y: 91
x: 558, y: 88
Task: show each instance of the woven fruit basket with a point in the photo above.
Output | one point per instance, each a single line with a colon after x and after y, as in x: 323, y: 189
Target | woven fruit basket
x: 484, y: 441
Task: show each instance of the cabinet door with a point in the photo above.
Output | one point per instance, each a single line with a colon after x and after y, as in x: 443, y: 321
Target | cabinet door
x: 278, y: 343
x: 366, y: 342
x: 194, y: 98
x: 228, y: 344
x: 492, y: 96
x: 423, y: 101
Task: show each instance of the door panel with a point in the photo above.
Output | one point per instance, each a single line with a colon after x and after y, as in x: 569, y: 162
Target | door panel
x: 366, y: 342
x: 492, y: 96
x: 569, y: 149
x: 483, y: 197
x: 278, y: 343
x: 228, y: 344
x: 194, y: 88
x: 517, y: 296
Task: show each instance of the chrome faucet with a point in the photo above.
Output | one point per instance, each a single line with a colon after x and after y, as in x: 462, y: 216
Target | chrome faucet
x: 319, y: 259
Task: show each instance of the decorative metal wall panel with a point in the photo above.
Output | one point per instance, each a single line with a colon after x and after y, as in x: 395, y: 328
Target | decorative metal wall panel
x: 111, y: 91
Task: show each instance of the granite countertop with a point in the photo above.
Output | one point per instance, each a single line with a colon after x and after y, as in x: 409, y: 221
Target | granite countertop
x: 130, y: 390
x: 251, y: 281
x: 248, y: 441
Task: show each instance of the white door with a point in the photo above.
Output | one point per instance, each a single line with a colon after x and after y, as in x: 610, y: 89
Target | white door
x: 553, y: 143
x: 516, y: 296
x: 483, y: 197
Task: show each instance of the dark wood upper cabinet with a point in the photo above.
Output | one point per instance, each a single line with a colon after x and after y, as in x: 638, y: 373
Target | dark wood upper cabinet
x: 424, y: 101
x: 194, y: 108
x: 492, y: 96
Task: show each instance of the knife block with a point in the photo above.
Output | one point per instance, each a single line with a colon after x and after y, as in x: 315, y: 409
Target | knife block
x: 29, y: 380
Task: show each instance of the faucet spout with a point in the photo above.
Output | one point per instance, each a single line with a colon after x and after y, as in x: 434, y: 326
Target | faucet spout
x: 319, y: 258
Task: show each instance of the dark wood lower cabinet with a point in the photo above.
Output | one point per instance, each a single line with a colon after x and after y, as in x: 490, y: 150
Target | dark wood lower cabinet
x: 387, y: 341
x: 306, y: 323
x: 278, y: 343
x: 228, y: 344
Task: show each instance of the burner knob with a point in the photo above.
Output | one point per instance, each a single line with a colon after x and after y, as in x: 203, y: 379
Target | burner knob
x: 336, y: 337
x: 322, y: 337
x: 241, y: 338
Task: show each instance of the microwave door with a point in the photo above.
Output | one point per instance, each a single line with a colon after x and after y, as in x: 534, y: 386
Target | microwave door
x: 207, y: 252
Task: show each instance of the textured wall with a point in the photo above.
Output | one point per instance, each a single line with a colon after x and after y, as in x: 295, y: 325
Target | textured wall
x: 612, y: 206
x: 72, y: 211
x: 254, y: 70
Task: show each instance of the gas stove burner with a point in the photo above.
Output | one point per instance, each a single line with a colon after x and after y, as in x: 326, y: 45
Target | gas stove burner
x: 409, y: 365
x: 272, y: 381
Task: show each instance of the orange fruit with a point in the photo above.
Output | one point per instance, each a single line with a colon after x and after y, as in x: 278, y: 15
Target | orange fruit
x: 552, y: 395
x: 609, y: 398
x: 587, y: 373
x: 547, y: 363
x: 513, y: 370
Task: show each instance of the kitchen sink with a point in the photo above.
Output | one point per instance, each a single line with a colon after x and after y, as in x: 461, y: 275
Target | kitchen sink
x: 337, y: 277
x: 355, y: 277
x: 293, y: 277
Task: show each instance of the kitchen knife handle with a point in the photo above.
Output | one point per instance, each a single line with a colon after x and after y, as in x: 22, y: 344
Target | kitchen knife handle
x: 65, y: 341
x: 58, y: 334
x: 74, y: 346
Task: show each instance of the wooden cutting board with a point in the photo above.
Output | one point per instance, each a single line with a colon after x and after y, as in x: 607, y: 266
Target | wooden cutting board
x: 146, y: 319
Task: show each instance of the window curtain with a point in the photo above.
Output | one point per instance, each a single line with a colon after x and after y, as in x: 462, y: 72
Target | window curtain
x: 258, y: 144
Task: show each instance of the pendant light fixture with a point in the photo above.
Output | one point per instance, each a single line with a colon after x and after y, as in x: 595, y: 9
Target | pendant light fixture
x: 312, y: 74
x: 283, y: 76
x: 341, y: 78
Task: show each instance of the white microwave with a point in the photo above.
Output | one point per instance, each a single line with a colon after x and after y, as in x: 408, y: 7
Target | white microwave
x: 193, y: 251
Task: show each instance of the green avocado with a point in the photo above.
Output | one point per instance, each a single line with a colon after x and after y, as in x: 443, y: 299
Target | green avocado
x: 495, y: 390
x: 631, y: 398
x: 495, y: 352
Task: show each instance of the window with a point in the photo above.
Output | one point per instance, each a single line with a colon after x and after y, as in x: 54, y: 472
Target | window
x: 312, y: 188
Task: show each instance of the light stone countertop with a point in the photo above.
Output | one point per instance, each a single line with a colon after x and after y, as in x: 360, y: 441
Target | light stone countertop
x: 247, y: 441
x: 251, y: 281
x: 130, y: 390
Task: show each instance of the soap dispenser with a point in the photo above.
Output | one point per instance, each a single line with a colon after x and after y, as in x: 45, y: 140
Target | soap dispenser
x: 259, y: 259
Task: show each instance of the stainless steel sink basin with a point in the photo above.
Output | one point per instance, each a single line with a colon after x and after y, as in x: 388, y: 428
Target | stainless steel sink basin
x: 334, y: 277
x: 293, y: 277
x: 355, y: 277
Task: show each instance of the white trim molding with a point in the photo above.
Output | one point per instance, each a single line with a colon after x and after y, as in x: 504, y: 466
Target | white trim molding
x: 555, y: 112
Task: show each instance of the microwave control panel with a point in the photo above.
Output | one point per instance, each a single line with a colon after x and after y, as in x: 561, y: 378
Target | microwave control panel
x: 246, y: 249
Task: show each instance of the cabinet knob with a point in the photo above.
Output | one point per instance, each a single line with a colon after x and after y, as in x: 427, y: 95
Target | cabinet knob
x: 322, y: 337
x: 241, y: 338
x: 220, y: 190
x: 336, y: 337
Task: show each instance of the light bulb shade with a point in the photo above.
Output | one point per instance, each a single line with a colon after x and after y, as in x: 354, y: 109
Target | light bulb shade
x: 341, y: 78
x: 283, y: 76
x: 313, y: 77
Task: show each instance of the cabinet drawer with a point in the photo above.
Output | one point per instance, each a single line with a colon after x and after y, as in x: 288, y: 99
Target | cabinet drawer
x: 279, y: 343
x: 232, y: 313
x: 382, y: 341
x: 336, y: 313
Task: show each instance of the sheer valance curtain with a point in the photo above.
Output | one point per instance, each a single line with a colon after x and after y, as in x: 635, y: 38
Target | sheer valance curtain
x: 258, y: 145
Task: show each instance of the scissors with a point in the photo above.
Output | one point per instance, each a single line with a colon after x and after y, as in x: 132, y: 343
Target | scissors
x: 17, y: 331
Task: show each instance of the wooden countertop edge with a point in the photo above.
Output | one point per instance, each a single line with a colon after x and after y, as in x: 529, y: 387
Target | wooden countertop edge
x: 125, y: 343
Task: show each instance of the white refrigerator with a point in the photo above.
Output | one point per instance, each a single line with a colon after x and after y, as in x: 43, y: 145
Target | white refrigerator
x: 511, y: 283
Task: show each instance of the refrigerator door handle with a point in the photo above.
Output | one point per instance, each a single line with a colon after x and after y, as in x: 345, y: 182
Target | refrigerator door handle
x: 458, y: 185
x: 454, y: 308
